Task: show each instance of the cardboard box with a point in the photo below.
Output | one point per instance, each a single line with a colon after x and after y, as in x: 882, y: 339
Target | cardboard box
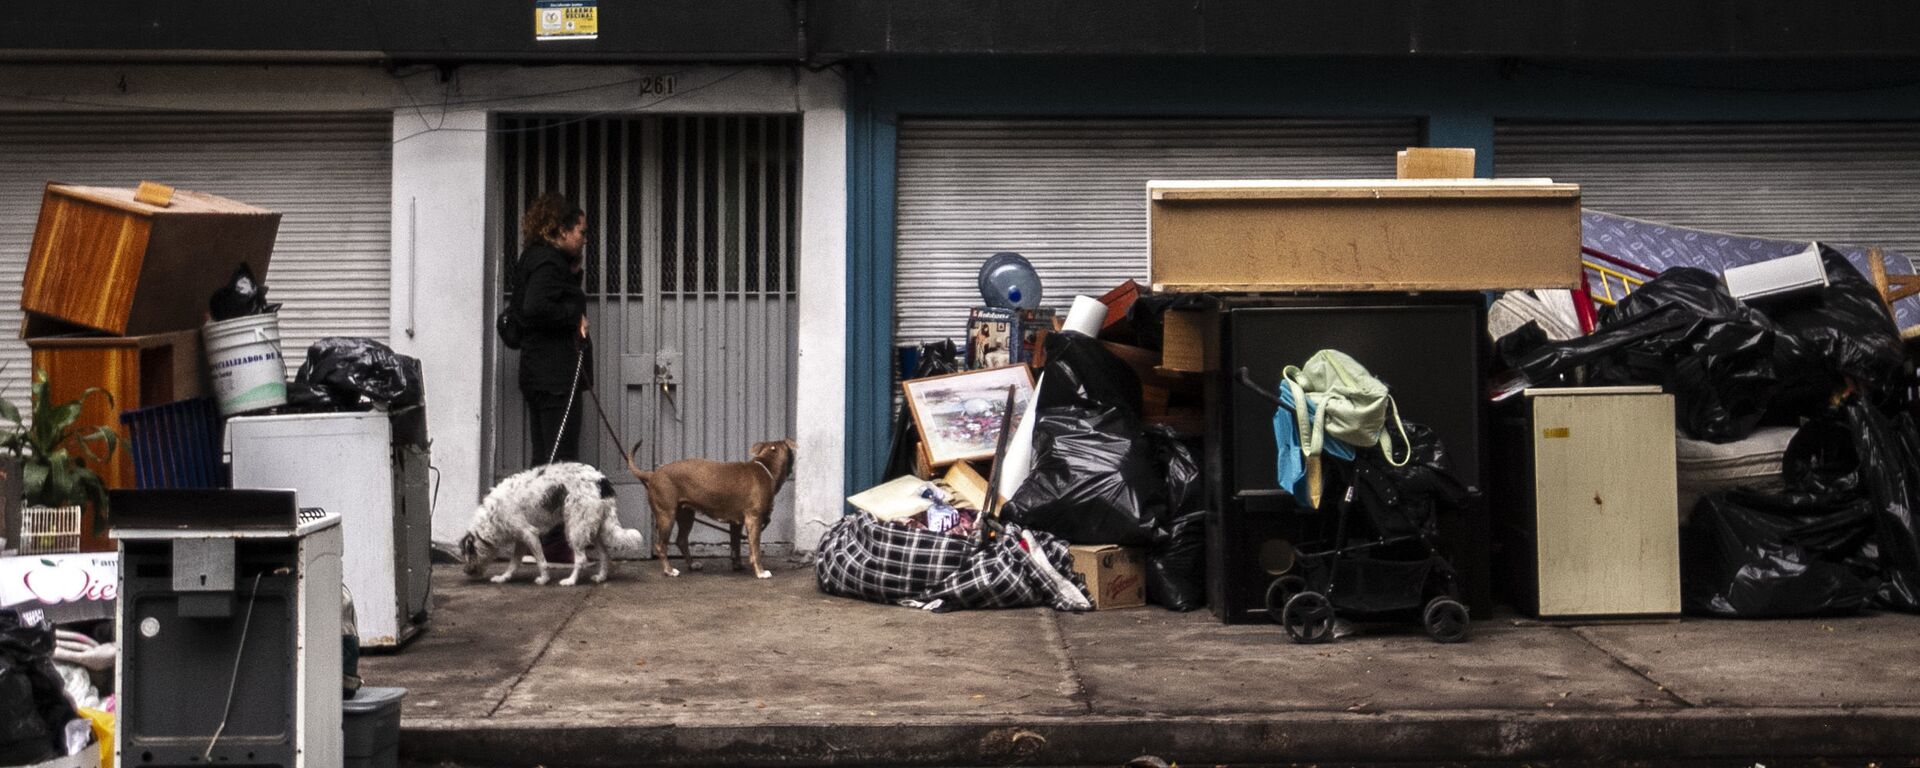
x: 967, y: 483
x: 1433, y: 163
x: 1116, y: 576
x: 1359, y: 235
x: 1190, y: 341
x: 1777, y: 278
x: 105, y: 261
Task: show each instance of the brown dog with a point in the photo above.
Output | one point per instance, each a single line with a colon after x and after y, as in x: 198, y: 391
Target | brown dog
x: 738, y: 493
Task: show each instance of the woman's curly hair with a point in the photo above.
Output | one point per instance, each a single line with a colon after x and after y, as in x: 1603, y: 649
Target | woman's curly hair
x: 548, y: 216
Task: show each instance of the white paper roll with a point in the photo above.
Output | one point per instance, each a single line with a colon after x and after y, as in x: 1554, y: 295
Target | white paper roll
x: 1085, y: 317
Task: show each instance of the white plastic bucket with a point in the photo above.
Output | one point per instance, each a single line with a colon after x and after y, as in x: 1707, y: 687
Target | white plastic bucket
x: 243, y: 356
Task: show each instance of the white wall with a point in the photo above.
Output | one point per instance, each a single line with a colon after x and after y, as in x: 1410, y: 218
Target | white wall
x: 441, y: 217
x: 439, y: 294
x: 822, y: 423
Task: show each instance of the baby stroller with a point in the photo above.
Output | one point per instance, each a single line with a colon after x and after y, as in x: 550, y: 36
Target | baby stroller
x: 1388, y: 569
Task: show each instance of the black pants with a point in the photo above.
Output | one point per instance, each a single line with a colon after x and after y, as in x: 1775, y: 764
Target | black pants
x: 545, y: 411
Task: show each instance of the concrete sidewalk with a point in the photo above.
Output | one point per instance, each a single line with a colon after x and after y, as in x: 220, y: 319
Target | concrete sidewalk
x: 718, y: 668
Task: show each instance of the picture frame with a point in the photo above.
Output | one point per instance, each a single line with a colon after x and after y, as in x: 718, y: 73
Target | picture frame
x: 958, y: 415
x: 993, y: 336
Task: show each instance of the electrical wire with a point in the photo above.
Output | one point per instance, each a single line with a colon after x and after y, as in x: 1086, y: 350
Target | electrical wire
x: 233, y: 683
x: 411, y: 99
x: 577, y: 118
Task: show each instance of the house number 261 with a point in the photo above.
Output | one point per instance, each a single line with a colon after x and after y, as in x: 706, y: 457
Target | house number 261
x: 658, y: 85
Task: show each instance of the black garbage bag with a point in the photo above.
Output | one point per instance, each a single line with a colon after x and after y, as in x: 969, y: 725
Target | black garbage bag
x: 1754, y: 555
x: 1510, y: 349
x: 1408, y: 500
x: 1684, y: 332
x: 34, y: 708
x: 242, y: 296
x: 1842, y: 333
x: 1888, y: 451
x: 1094, y: 479
x: 1812, y: 549
x: 341, y: 371
x: 937, y: 358
x: 1081, y: 373
x: 1177, y: 566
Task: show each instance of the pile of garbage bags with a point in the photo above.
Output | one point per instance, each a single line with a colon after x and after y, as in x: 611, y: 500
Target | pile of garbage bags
x: 37, y: 721
x: 1841, y: 536
x: 1100, y: 475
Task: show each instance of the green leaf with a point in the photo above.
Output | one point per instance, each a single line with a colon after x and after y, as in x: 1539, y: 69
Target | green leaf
x: 9, y: 412
x: 61, y: 479
x: 101, y: 436
x: 64, y: 416
x: 33, y: 479
x: 91, y: 391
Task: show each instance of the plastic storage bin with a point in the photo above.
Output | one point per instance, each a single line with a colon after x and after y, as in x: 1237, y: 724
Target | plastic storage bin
x: 371, y: 720
x: 175, y: 445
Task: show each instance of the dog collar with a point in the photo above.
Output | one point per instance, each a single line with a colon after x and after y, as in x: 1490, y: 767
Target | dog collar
x: 763, y: 467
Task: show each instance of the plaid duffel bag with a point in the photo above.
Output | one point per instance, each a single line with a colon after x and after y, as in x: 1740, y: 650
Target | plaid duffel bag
x: 864, y: 558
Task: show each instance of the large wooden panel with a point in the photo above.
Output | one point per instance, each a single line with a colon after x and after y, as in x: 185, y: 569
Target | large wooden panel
x: 136, y: 371
x: 1363, y: 235
x: 1607, y: 527
x: 102, y: 260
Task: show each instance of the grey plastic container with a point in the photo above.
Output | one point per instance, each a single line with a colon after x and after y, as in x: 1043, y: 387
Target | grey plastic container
x: 371, y: 720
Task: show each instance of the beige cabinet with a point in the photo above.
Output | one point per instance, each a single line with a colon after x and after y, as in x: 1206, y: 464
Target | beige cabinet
x: 1604, y: 519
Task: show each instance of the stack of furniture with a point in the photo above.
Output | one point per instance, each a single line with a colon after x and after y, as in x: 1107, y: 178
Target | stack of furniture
x: 1388, y: 271
x: 116, y: 289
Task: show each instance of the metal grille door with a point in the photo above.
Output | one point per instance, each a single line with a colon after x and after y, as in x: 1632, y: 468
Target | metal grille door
x: 690, y: 275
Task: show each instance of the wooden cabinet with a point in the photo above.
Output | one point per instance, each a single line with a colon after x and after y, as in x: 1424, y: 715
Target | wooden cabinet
x: 138, y: 371
x: 1596, y: 531
x: 102, y: 260
x: 1363, y: 235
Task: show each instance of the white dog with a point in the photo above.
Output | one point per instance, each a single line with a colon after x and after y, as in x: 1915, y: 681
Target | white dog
x: 527, y: 505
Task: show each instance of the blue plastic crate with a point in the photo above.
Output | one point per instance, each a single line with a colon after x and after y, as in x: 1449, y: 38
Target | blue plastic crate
x: 176, y: 445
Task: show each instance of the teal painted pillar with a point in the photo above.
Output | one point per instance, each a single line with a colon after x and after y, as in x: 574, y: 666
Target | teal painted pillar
x: 870, y: 274
x: 1464, y: 129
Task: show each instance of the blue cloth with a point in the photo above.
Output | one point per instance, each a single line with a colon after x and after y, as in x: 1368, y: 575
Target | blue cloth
x: 1286, y: 439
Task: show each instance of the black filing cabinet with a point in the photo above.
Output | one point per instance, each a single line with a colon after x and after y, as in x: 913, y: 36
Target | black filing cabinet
x: 1428, y: 348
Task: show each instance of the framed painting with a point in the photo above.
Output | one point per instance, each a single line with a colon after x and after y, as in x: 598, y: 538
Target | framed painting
x: 959, y: 414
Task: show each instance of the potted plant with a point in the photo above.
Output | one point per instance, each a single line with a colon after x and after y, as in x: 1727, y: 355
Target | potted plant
x: 54, y: 453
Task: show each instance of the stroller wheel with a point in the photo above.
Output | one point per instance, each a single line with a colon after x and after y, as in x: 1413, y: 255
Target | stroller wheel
x: 1446, y: 620
x: 1280, y: 591
x: 1308, y: 618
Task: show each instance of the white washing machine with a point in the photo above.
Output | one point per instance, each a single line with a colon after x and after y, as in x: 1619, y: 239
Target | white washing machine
x: 352, y: 464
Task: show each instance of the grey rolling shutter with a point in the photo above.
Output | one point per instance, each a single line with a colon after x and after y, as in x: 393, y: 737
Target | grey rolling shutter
x: 328, y: 175
x: 1070, y: 195
x: 1844, y: 182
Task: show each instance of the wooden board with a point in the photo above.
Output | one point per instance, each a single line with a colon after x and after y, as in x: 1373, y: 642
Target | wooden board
x: 1363, y: 235
x: 102, y: 260
x: 1606, y: 520
x: 1433, y: 163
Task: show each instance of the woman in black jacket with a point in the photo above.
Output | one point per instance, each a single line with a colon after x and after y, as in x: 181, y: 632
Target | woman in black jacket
x: 556, y: 361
